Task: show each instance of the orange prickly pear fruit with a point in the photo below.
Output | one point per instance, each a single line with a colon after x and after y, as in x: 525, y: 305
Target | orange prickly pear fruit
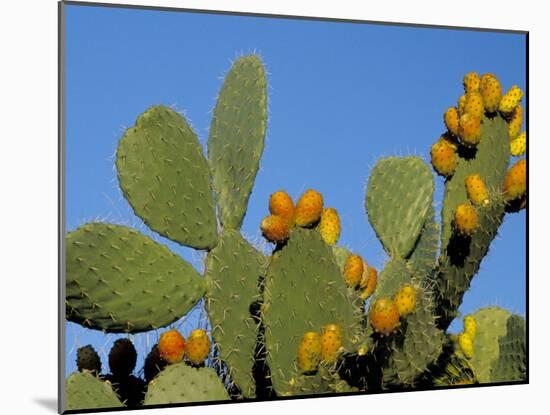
x: 469, y: 129
x: 197, y: 347
x: 368, y: 281
x: 309, y: 352
x: 518, y: 146
x: 309, y: 208
x: 353, y: 270
x: 451, y: 120
x: 510, y: 100
x: 329, y: 227
x: 461, y: 105
x: 471, y: 82
x: 275, y: 228
x: 465, y: 219
x: 491, y: 91
x: 476, y: 190
x: 331, y: 342
x: 171, y: 346
x: 384, y: 316
x: 515, y: 122
x: 474, y: 104
x: 444, y: 157
x: 281, y: 204
x: 515, y: 181
x: 405, y: 300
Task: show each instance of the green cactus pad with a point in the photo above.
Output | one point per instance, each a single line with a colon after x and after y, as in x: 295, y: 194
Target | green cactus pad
x: 394, y: 274
x: 423, y: 258
x: 165, y: 178
x: 511, y: 364
x: 461, y: 257
x: 490, y: 327
x: 341, y: 255
x: 85, y: 391
x: 236, y: 139
x: 181, y: 383
x: 399, y: 196
x: 304, y: 290
x: 233, y: 269
x: 119, y: 280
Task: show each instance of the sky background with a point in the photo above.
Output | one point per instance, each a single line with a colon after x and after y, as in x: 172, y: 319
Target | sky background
x: 340, y: 96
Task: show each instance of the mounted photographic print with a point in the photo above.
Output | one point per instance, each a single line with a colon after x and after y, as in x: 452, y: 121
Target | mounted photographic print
x: 260, y: 207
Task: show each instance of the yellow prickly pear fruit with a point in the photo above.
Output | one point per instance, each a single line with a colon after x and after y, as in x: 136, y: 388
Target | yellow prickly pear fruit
x: 405, y: 300
x: 469, y: 129
x: 331, y: 342
x: 275, y: 228
x: 281, y: 204
x: 171, y: 346
x: 471, y: 82
x: 476, y: 190
x: 309, y: 208
x: 466, y: 220
x: 368, y: 281
x: 470, y: 326
x: 515, y: 123
x: 474, y: 104
x: 491, y: 91
x: 461, y: 105
x: 353, y: 270
x: 444, y: 157
x: 466, y: 344
x: 384, y: 316
x: 309, y: 352
x: 515, y: 181
x: 510, y: 100
x: 451, y: 120
x: 329, y: 227
x: 197, y: 347
x: 518, y: 146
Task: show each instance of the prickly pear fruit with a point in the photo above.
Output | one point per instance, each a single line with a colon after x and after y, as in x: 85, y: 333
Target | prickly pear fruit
x: 469, y: 129
x: 515, y: 123
x: 451, y: 120
x: 466, y: 219
x: 466, y: 344
x: 197, y: 347
x: 471, y: 82
x: 515, y: 181
x: 330, y: 226
x: 309, y: 208
x: 461, y: 105
x: 444, y: 157
x: 88, y: 359
x: 309, y: 352
x: 281, y: 204
x: 331, y: 342
x: 491, y: 91
x: 384, y: 316
x: 353, y: 270
x: 518, y: 146
x: 368, y: 281
x: 171, y: 346
x: 474, y: 104
x: 476, y: 190
x: 405, y: 300
x: 122, y: 357
x: 510, y: 100
x: 470, y: 326
x: 275, y: 228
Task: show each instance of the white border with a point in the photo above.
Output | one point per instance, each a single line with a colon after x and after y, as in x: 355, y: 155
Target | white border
x: 28, y: 207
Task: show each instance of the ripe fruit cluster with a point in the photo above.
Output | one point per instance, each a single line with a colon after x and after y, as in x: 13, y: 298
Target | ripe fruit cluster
x: 315, y: 348
x: 467, y: 337
x: 359, y: 275
x: 173, y: 347
x: 385, y: 313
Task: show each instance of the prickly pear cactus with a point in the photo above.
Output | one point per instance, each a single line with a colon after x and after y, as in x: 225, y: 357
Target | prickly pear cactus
x: 85, y: 391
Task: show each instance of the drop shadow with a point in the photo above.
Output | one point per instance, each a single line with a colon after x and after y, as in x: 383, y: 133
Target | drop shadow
x: 458, y: 249
x: 49, y: 403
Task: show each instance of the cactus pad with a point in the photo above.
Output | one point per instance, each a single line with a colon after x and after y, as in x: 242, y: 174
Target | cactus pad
x: 165, y: 178
x: 85, y: 391
x: 423, y: 258
x: 399, y: 195
x: 304, y: 291
x: 511, y: 364
x: 119, y: 280
x: 233, y: 269
x: 181, y: 383
x: 236, y: 139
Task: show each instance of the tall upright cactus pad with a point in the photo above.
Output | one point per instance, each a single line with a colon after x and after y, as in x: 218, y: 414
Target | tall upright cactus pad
x: 491, y: 325
x: 461, y: 257
x: 165, y: 178
x: 84, y: 391
x: 119, y: 280
x: 511, y: 364
x: 181, y: 383
x: 236, y: 139
x: 399, y: 196
x: 233, y: 270
x: 424, y: 255
x: 304, y: 290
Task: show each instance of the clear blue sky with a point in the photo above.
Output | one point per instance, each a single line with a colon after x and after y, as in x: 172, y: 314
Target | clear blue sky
x: 341, y: 95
